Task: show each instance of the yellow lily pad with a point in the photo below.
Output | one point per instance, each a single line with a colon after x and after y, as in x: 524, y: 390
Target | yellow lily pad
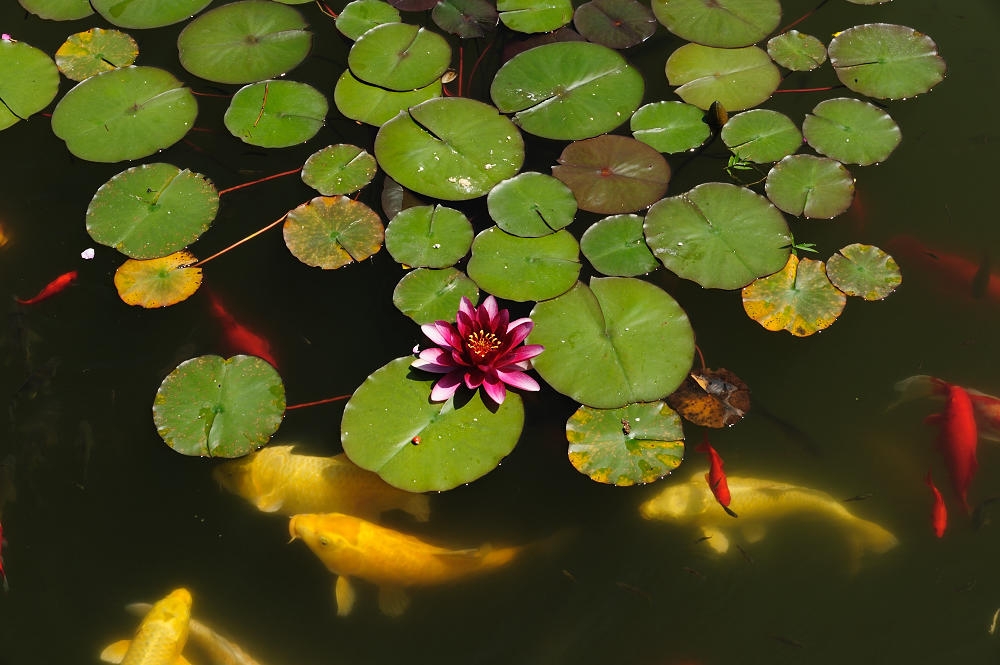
x: 93, y: 51
x: 158, y: 282
x: 331, y: 232
x: 799, y: 298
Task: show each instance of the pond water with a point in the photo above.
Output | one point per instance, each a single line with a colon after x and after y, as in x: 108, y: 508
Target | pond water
x: 105, y: 514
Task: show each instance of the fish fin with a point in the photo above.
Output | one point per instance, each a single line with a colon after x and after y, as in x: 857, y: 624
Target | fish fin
x: 717, y: 540
x: 269, y: 503
x: 343, y: 591
x: 393, y: 601
x: 115, y: 652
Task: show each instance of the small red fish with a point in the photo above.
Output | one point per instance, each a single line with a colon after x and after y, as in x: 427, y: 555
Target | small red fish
x: 716, y: 476
x: 240, y: 338
x: 959, y: 437
x: 55, y: 286
x: 939, y: 514
x: 960, y: 276
x: 3, y: 573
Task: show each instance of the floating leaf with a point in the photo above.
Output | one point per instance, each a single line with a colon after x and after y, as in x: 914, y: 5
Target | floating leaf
x: 126, y: 113
x: 568, y: 90
x: 468, y: 19
x: 339, y: 169
x: 391, y: 427
x: 711, y: 398
x: 29, y: 80
x: 616, y: 24
x: 886, y: 61
x: 152, y: 210
x: 615, y: 246
x: 737, y: 78
x: 429, y: 236
x: 613, y: 174
x: 637, y: 443
x: 359, y: 16
x: 94, y: 51
x: 761, y: 135
x: 276, y: 114
x: 531, y: 204
x: 427, y: 295
x: 243, y: 42
x: 670, y: 126
x: 621, y: 340
x: 852, y: 131
x: 535, y: 15
x: 332, y: 231
x: 453, y: 149
x: 374, y: 105
x: 725, y: 23
x: 413, y: 5
x: 58, y: 10
x: 147, y: 13
x: 217, y: 407
x: 799, y: 299
x: 399, y: 56
x: 158, y: 282
x: 796, y: 51
x: 718, y: 235
x: 524, y: 268
x: 864, y: 270
x: 810, y: 186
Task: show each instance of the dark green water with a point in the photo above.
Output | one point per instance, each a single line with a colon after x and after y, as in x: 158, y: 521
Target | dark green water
x: 127, y: 519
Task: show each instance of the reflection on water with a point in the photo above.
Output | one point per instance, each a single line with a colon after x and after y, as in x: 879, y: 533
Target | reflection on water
x: 98, y: 513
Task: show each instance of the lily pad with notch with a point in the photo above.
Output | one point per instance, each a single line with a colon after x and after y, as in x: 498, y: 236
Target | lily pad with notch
x: 617, y: 24
x: 761, y: 135
x: 670, y: 127
x: 865, y: 271
x: 810, y: 186
x: 276, y: 114
x: 737, y: 78
x: 722, y: 23
x: 427, y: 295
x: 799, y: 298
x: 466, y: 19
x: 373, y: 105
x: 429, y: 236
x: 160, y: 282
x: 331, y: 232
x: 531, y: 204
x: 29, y: 80
x: 524, y: 269
x: 147, y: 13
x: 339, y: 169
x: 796, y: 51
x: 533, y: 16
x: 58, y: 10
x: 851, y: 131
x: 615, y: 246
x: 399, y: 56
x: 93, y: 51
x: 359, y: 16
x: 886, y: 61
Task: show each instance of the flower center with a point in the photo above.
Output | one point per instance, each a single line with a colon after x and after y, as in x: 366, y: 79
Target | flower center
x: 481, y: 343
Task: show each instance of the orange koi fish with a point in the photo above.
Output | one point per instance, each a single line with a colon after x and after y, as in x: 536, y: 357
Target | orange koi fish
x: 240, y: 338
x: 716, y: 476
x: 3, y: 573
x: 950, y: 271
x: 985, y: 407
x: 939, y: 514
x: 55, y: 286
x: 959, y: 437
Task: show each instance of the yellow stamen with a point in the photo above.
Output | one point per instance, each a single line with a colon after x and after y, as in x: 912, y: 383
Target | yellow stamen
x: 481, y: 343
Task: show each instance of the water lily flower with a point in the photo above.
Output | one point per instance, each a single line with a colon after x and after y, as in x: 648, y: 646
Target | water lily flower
x: 479, y: 349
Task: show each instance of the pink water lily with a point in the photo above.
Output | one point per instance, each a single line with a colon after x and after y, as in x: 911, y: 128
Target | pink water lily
x: 479, y: 349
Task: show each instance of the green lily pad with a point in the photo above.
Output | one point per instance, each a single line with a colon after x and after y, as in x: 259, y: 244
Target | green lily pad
x: 851, y: 131
x: 886, y: 61
x: 810, y: 186
x: 427, y: 295
x: 399, y: 56
x: 616, y: 246
x: 613, y: 174
x: 524, y: 268
x: 244, y: 42
x: 617, y: 24
x: 339, y: 169
x: 718, y: 235
x: 797, y: 51
x: 535, y: 15
x: 276, y: 114
x: 724, y: 23
x: 359, y: 16
x: 58, y: 10
x: 331, y: 232
x: 450, y: 148
x: 94, y: 51
x: 429, y: 236
x: 799, y: 298
x: 160, y: 282
x: 467, y: 19
x: 126, y: 113
x: 635, y: 444
x: 531, y: 204
x: 29, y: 80
x: 391, y: 427
x: 761, y: 135
x: 670, y: 126
x: 737, y: 78
x: 865, y: 271
x: 152, y: 210
x: 374, y: 105
x: 568, y: 90
x: 147, y: 13
x: 621, y: 340
x: 413, y: 5
x: 217, y: 407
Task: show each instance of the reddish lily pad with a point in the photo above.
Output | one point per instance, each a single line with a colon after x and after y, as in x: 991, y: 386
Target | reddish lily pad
x: 799, y: 298
x: 616, y: 24
x: 333, y: 231
x: 468, y: 19
x: 711, y: 398
x: 865, y: 271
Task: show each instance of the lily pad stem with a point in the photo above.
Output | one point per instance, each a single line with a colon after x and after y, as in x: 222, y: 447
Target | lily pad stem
x: 240, y: 242
x: 317, y: 402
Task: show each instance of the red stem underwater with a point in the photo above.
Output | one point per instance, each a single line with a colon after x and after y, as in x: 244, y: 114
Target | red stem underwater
x: 317, y: 402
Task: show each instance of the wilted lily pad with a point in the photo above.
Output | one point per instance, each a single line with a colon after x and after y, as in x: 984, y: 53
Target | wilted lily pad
x: 810, y: 186
x: 635, y: 444
x: 94, y: 51
x: 864, y: 270
x: 429, y: 236
x: 524, y: 268
x: 615, y: 246
x: 399, y: 56
x: 737, y: 78
x: 374, y: 105
x: 761, y: 135
x: 531, y: 204
x: 147, y: 13
x: 615, y: 23
x: 333, y: 231
x: 217, y: 407
x: 158, y: 282
x: 276, y: 114
x: 391, y: 427
x: 797, y: 51
x: 339, y: 169
x: 670, y: 126
x: 535, y: 15
x: 799, y: 299
x: 29, y: 80
x: 427, y: 295
x: 621, y: 340
x: 359, y: 16
x: 886, y: 61
x: 711, y: 398
x: 58, y: 10
x: 725, y: 23
x: 467, y: 19
x: 152, y: 210
x: 852, y: 131
x: 718, y: 235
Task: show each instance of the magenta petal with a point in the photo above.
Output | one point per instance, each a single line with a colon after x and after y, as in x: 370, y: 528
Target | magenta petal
x: 522, y: 353
x: 474, y: 378
x: 446, y: 386
x: 517, y: 333
x: 440, y: 333
x: 490, y: 307
x: 518, y: 380
x: 465, y: 307
x: 496, y: 390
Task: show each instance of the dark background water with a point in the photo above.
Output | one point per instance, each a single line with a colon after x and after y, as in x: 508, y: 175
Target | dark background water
x: 94, y: 527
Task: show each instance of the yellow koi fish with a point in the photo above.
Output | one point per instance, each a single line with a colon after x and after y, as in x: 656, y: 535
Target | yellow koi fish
x: 758, y: 503
x: 161, y: 635
x: 351, y: 547
x: 215, y: 648
x: 277, y: 480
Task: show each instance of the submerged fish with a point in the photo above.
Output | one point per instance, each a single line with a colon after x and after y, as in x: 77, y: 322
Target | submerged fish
x: 239, y: 338
x: 351, y: 547
x: 215, y: 648
x: 52, y: 288
x: 161, y: 635
x: 275, y: 479
x: 958, y: 439
x: 939, y: 513
x: 761, y: 502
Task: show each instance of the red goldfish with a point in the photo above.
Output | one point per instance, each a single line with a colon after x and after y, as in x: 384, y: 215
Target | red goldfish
x: 958, y: 438
x: 939, y: 514
x: 240, y: 338
x: 985, y: 407
x: 954, y: 272
x: 716, y: 476
x: 55, y: 286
